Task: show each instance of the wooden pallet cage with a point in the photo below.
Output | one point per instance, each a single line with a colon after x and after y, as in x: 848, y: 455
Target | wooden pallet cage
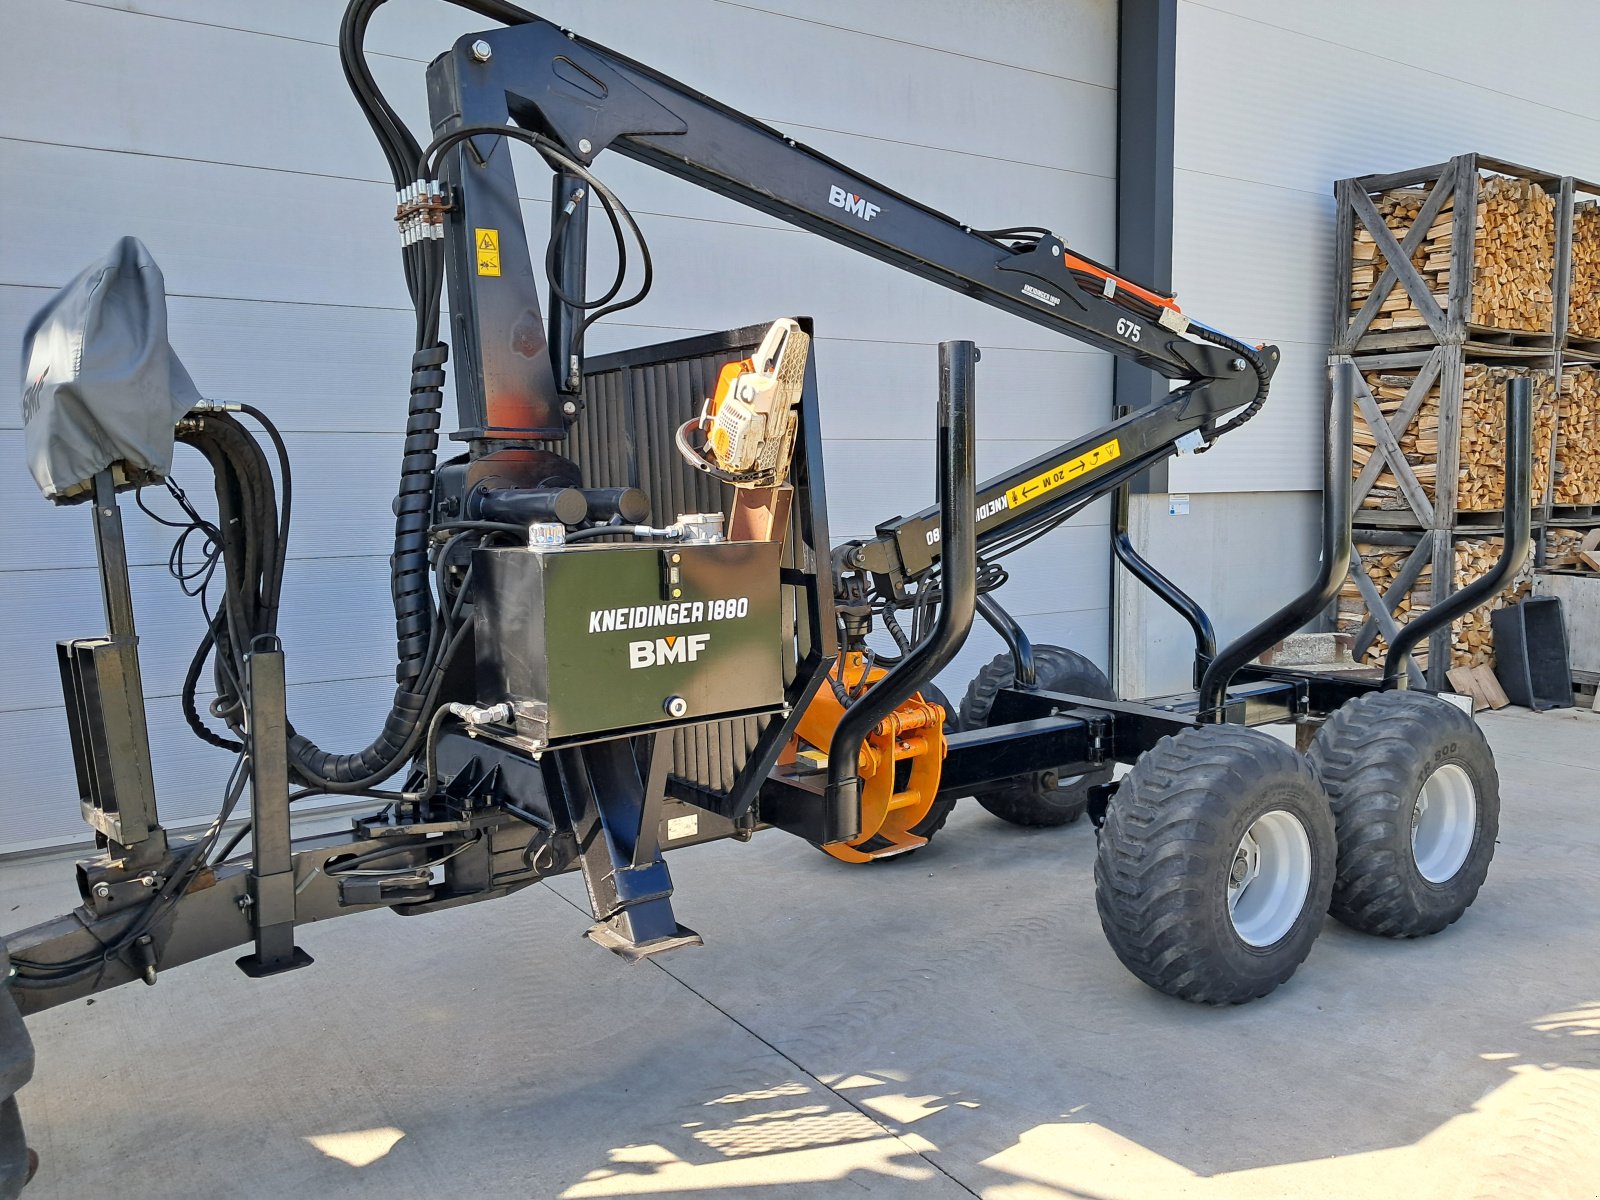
x: 1461, y: 251
x: 1392, y: 582
x: 1442, y: 415
x: 1576, y: 474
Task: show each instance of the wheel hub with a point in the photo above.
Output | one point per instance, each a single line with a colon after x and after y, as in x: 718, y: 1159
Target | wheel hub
x: 1241, y: 869
x: 1270, y: 878
x: 1444, y: 820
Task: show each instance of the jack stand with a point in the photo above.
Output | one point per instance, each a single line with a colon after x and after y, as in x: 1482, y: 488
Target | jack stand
x: 271, y: 884
x: 617, y: 817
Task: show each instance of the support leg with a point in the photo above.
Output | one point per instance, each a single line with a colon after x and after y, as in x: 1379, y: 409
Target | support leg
x: 271, y: 884
x: 617, y: 817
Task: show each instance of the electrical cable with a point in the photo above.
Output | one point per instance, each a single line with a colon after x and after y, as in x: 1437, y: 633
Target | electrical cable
x: 31, y: 973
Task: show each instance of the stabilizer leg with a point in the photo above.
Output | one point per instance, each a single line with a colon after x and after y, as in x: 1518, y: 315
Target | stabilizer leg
x: 617, y: 815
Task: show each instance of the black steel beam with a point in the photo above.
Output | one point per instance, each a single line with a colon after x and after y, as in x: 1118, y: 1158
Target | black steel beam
x: 982, y: 756
x: 1146, y: 103
x: 271, y: 885
x: 1338, y: 421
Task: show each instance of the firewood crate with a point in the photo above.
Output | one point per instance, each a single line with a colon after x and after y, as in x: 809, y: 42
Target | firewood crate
x: 1575, y: 484
x: 1475, y: 250
x: 1396, y: 576
x: 1583, y: 303
x: 1429, y: 436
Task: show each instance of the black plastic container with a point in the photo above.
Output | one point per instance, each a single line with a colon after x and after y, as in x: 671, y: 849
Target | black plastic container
x: 1530, y: 653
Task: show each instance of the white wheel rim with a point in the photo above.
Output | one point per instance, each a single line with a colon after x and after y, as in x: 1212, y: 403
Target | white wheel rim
x: 1443, y: 822
x: 1269, y: 878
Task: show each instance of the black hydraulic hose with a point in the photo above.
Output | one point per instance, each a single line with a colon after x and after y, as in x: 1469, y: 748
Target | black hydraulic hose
x: 413, y: 605
x: 274, y: 593
x: 191, y: 683
x: 264, y: 549
x: 413, y: 600
x: 238, y: 611
x: 958, y: 521
x: 252, y: 548
x: 401, y: 734
x: 1335, y: 555
x: 1514, y: 550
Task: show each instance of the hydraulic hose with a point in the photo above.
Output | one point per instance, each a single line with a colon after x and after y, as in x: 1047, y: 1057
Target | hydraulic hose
x: 416, y: 626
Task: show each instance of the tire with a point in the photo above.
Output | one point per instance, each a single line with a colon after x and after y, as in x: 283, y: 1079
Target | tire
x: 1401, y: 872
x: 1164, y: 865
x: 1029, y: 801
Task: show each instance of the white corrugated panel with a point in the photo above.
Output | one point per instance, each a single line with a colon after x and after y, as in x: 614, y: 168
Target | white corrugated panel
x: 1277, y: 101
x: 222, y: 135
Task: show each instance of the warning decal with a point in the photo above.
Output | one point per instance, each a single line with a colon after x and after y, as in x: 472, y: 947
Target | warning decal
x: 1073, y: 468
x: 488, y: 244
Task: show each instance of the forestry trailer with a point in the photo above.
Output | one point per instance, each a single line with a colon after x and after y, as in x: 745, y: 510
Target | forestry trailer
x: 622, y: 628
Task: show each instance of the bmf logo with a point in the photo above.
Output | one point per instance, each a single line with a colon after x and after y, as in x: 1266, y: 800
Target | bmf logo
x: 856, y: 206
x: 32, y: 396
x: 657, y: 652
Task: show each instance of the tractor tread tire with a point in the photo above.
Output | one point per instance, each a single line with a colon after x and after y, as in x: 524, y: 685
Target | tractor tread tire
x: 1021, y: 803
x: 1372, y: 756
x: 1164, y: 853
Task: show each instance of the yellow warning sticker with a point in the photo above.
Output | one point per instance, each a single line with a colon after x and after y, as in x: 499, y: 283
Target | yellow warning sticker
x: 488, y: 243
x: 1074, y: 468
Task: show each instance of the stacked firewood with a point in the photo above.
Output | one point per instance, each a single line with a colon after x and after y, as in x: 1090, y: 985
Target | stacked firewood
x: 1578, y: 437
x: 1481, y: 479
x: 1481, y: 485
x: 1399, y: 210
x: 1513, y: 257
x: 1583, y: 306
x: 1561, y: 547
x: 1471, y: 641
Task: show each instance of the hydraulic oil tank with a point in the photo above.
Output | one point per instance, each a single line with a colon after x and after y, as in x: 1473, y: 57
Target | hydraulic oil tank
x: 589, y: 642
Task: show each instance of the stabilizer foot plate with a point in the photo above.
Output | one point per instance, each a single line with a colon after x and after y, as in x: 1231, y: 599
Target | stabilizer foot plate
x: 603, y: 934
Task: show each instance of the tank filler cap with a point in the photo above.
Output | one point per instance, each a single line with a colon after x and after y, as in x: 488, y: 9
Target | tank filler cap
x: 699, y: 527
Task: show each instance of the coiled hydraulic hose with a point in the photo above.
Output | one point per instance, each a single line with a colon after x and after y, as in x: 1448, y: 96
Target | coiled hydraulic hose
x: 416, y: 627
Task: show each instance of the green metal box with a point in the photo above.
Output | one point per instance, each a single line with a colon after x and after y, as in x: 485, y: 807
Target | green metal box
x: 595, y: 641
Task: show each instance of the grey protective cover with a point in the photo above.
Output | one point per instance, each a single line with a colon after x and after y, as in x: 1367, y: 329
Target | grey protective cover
x: 101, y: 387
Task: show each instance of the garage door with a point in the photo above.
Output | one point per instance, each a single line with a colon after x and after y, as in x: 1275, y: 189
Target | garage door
x: 224, y: 138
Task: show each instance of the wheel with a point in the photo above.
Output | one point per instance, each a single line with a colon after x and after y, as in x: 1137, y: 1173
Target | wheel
x: 1215, y: 865
x: 1044, y: 799
x: 1416, y: 800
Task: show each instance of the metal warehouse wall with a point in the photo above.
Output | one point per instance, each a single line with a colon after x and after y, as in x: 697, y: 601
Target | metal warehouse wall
x: 1274, y: 102
x: 221, y: 133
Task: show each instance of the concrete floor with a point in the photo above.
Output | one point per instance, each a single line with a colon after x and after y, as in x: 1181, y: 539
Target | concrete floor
x: 949, y: 1025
